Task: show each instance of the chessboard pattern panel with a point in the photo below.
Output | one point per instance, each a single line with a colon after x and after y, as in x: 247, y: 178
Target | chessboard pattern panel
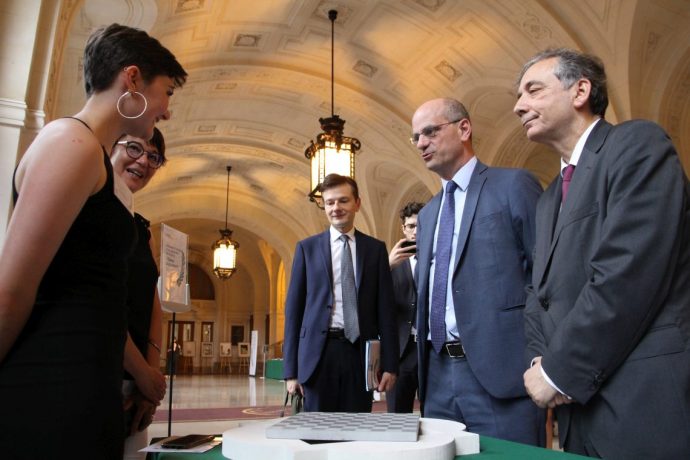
x: 343, y: 426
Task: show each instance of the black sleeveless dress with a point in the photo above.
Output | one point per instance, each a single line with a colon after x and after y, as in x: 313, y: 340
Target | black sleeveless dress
x: 141, y: 287
x: 60, y: 383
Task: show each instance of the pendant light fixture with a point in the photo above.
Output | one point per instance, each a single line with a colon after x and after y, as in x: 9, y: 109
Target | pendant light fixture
x: 225, y: 249
x: 332, y: 152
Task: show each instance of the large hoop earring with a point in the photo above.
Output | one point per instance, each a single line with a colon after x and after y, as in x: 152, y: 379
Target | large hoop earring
x: 146, y: 104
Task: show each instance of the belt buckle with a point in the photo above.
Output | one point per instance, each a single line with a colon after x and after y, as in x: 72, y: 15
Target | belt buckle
x: 455, y: 350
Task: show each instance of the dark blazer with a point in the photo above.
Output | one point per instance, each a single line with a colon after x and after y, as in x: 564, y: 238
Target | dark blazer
x: 310, y: 301
x: 609, y: 309
x: 492, y: 267
x: 405, y: 293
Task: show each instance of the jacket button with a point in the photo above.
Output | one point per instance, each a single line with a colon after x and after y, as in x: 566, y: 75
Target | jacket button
x: 544, y: 304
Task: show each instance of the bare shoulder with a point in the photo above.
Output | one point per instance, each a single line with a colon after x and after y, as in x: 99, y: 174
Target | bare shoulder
x: 66, y: 136
x: 63, y: 144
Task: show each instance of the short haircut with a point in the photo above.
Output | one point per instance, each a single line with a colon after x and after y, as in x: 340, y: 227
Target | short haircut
x: 573, y: 65
x: 336, y: 180
x: 455, y: 110
x: 156, y: 140
x: 112, y: 48
x: 410, y: 209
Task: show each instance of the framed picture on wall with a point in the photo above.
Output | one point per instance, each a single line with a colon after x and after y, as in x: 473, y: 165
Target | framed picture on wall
x: 207, y: 349
x: 243, y: 349
x: 225, y: 349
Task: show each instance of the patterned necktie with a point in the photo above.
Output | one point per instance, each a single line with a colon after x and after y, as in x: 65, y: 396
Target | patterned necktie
x: 568, y: 172
x: 347, y: 282
x: 437, y: 317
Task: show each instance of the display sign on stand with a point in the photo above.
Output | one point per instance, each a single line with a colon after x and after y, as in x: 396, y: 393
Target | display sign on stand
x: 254, y: 339
x: 173, y: 288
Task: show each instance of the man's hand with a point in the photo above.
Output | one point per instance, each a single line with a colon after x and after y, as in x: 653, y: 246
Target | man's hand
x: 399, y: 254
x: 541, y: 392
x: 387, y: 382
x: 293, y: 385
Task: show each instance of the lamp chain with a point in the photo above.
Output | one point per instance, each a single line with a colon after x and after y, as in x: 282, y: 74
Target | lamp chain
x: 227, y: 196
x: 332, y: 15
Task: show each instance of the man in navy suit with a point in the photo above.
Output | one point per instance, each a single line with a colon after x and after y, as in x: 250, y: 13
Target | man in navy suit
x: 323, y: 357
x: 474, y: 248
x: 608, y: 309
x: 403, y: 260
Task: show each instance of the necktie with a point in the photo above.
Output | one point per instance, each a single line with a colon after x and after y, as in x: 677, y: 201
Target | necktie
x: 347, y: 282
x: 568, y: 172
x: 437, y: 317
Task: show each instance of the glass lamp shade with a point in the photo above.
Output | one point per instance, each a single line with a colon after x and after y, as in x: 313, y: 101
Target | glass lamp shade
x: 225, y: 255
x: 332, y: 153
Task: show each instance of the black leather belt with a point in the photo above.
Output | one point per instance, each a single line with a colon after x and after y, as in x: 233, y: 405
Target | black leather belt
x: 453, y: 349
x: 335, y: 333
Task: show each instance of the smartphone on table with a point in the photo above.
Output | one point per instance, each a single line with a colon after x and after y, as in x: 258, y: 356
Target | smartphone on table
x: 188, y: 441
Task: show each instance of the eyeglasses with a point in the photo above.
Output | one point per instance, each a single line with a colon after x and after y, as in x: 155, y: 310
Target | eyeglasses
x: 135, y: 150
x: 430, y: 131
x: 410, y: 227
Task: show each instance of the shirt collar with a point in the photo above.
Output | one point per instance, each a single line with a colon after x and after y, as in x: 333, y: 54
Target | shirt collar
x: 335, y: 234
x: 579, y: 146
x: 463, y: 176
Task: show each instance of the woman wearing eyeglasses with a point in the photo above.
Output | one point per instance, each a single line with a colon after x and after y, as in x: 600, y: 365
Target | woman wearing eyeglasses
x: 63, y: 267
x: 135, y: 161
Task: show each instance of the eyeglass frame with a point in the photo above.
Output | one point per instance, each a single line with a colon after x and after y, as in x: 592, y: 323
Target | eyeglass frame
x: 431, y: 131
x: 148, y: 153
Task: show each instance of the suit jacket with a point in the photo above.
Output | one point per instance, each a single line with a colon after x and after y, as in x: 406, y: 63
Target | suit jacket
x: 310, y: 302
x: 493, y: 265
x: 609, y: 309
x: 405, y: 292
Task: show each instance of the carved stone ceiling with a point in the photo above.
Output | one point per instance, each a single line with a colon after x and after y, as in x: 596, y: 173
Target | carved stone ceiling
x: 259, y: 79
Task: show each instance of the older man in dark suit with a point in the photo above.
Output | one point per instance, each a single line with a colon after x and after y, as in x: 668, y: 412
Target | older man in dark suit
x: 340, y: 296
x: 608, y: 312
x: 474, y: 247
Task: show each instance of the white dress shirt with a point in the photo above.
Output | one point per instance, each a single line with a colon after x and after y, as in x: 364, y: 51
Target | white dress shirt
x: 462, y: 180
x: 336, y: 256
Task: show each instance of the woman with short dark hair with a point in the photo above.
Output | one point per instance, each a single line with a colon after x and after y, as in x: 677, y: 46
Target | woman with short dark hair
x: 64, y: 263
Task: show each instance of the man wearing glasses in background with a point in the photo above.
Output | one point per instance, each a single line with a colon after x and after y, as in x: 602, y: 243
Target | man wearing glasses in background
x: 474, y: 258
x: 403, y: 261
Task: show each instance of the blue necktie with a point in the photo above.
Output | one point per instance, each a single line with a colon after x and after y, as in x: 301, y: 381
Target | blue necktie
x: 347, y: 282
x: 437, y: 317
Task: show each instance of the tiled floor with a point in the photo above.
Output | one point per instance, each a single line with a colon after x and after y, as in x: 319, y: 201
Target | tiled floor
x: 216, y: 391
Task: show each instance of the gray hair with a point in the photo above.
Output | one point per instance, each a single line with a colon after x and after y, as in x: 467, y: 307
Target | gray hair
x: 573, y: 65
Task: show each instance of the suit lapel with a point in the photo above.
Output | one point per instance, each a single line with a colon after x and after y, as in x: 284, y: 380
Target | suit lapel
x: 325, y: 247
x: 549, y: 205
x: 582, y: 175
x: 472, y: 198
x: 427, y: 219
x: 361, y: 254
x: 409, y: 276
x: 581, y: 180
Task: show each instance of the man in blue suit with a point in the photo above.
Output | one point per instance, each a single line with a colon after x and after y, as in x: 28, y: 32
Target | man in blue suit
x: 474, y: 248
x: 329, y: 318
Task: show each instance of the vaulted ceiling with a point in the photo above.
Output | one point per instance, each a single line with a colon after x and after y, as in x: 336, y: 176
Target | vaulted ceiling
x: 259, y: 79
